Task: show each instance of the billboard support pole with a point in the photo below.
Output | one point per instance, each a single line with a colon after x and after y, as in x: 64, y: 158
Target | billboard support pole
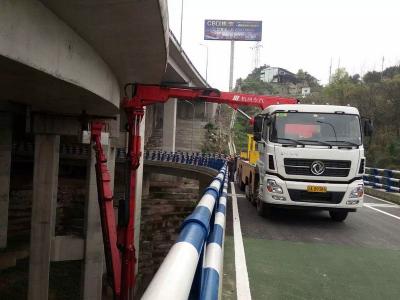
x: 231, y: 65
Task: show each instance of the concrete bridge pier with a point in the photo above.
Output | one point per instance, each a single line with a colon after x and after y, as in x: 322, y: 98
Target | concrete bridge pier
x: 5, y: 166
x: 44, y: 202
x: 92, y: 272
x: 44, y: 245
x: 169, y: 125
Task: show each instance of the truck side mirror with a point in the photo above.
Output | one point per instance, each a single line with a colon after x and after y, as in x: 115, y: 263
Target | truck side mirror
x: 368, y: 128
x: 257, y: 127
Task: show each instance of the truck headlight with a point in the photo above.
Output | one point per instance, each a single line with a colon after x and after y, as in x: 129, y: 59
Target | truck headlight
x: 357, y: 192
x: 273, y: 187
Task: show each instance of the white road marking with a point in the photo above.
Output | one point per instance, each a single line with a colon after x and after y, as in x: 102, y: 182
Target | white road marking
x: 378, y: 199
x: 242, y: 276
x: 238, y: 195
x: 381, y: 211
x: 383, y: 205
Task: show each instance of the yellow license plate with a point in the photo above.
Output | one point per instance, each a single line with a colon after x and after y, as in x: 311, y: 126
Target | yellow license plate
x: 316, y: 189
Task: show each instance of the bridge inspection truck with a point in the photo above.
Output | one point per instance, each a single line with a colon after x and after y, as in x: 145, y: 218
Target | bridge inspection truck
x: 305, y: 156
x: 310, y: 155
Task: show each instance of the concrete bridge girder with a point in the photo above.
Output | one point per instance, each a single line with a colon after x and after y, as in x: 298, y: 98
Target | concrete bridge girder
x: 131, y: 36
x: 71, y: 56
x: 49, y: 66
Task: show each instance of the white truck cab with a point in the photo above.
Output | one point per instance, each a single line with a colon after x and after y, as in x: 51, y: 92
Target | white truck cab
x: 311, y: 156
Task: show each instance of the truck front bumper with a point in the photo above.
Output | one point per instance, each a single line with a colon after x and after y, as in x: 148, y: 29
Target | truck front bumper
x: 294, y: 193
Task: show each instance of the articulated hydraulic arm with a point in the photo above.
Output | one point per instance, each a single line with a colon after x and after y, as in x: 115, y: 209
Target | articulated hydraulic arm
x: 119, y: 241
x: 105, y: 198
x: 144, y: 95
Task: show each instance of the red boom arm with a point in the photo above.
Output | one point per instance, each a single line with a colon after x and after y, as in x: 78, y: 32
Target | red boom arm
x: 120, y: 252
x: 149, y: 94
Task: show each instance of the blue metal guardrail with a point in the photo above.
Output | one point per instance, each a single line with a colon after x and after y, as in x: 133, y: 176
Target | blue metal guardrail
x: 214, y: 161
x: 382, y: 179
x: 81, y: 151
x: 192, y: 268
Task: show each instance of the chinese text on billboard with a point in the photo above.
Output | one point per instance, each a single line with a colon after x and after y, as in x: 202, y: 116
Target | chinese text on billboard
x: 232, y: 30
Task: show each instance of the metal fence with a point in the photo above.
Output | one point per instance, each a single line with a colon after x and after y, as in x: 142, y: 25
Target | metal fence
x: 388, y: 180
x: 192, y: 268
x: 214, y: 161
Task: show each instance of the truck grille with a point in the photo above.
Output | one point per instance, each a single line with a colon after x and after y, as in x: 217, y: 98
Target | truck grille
x: 333, y: 168
x: 304, y: 196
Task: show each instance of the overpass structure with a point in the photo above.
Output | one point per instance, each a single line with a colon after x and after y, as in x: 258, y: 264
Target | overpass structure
x: 62, y: 62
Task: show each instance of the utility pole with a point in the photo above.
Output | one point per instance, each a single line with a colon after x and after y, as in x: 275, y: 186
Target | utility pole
x: 330, y: 71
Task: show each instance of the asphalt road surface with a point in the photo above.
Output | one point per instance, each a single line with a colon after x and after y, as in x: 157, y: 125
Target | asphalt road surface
x: 305, y: 255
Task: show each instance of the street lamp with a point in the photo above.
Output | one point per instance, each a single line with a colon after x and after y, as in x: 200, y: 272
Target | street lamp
x: 206, y: 60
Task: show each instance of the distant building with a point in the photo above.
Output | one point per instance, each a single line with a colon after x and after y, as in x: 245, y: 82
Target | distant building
x: 288, y: 83
x: 305, y: 91
x: 277, y: 75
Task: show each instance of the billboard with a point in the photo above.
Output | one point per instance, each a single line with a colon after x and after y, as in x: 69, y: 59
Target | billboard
x: 232, y: 30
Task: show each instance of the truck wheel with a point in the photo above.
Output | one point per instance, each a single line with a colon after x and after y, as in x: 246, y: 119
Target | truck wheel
x: 254, y: 197
x: 253, y: 200
x: 247, y: 192
x: 338, y: 216
x: 263, y: 209
x: 241, y: 185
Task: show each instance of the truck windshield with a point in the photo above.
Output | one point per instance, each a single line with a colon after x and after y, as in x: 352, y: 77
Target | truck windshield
x: 316, y: 128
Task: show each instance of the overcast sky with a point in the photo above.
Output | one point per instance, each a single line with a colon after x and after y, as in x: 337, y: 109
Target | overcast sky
x: 297, y: 34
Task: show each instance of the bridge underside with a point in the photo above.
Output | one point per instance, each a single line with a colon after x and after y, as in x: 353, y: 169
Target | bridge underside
x: 58, y: 59
x: 22, y: 85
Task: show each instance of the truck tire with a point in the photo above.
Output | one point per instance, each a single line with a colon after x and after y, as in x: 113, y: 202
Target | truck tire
x: 241, y: 185
x: 247, y: 192
x: 253, y: 200
x: 338, y: 216
x: 263, y: 209
x: 260, y: 207
x: 254, y: 197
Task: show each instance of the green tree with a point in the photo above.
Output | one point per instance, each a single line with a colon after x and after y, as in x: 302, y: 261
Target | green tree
x: 376, y: 95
